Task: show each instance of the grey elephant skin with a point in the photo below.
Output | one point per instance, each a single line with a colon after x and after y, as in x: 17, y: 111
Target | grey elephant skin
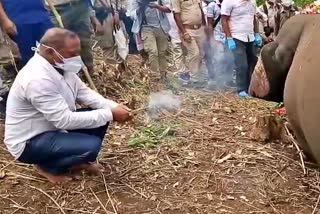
x: 292, y: 66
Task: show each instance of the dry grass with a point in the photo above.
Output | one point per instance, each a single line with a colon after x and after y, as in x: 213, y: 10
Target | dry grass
x: 209, y: 165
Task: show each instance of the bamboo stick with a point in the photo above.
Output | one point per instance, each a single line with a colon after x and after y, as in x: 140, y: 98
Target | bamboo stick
x: 60, y: 23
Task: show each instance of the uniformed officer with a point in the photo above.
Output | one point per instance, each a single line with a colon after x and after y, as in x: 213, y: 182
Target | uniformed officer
x: 190, y: 20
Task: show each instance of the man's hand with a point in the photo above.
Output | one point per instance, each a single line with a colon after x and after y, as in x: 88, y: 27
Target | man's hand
x: 161, y: 8
x: 9, y: 27
x: 121, y: 114
x: 99, y: 29
x: 116, y: 21
x: 231, y: 43
x: 187, y: 37
x: 153, y: 5
x: 209, y: 32
x: 258, y: 40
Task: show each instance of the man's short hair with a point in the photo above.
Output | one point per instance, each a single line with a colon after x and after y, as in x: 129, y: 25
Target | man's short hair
x: 57, y: 37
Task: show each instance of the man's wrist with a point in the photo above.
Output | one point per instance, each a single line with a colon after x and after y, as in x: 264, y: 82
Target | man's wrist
x: 3, y: 20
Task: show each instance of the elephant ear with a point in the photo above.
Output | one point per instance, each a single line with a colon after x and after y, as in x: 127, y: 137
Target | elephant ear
x: 259, y: 85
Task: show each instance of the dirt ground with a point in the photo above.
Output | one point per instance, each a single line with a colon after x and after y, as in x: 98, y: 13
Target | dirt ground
x: 198, y: 159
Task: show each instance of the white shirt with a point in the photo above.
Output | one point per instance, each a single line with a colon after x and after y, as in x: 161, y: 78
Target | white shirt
x: 241, y: 13
x: 204, y: 8
x: 214, y: 12
x: 42, y: 100
x: 174, y: 30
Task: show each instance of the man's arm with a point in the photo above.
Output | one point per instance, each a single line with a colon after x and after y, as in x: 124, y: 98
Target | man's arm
x: 225, y: 25
x: 277, y: 23
x: 226, y: 8
x: 47, y: 100
x: 115, y: 13
x: 161, y: 8
x: 164, y: 9
x: 255, y: 25
x: 7, y: 25
x: 177, y: 18
x: 261, y: 16
x: 91, y: 98
x: 210, y: 23
x: 203, y: 17
x: 210, y: 18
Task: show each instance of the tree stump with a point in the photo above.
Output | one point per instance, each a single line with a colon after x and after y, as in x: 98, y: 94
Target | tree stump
x: 268, y: 127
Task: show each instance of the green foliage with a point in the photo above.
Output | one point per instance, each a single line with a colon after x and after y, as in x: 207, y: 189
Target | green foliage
x: 300, y: 3
x: 260, y: 2
x: 151, y: 135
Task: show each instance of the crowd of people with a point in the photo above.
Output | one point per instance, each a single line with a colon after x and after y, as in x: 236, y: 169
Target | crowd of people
x: 43, y: 124
x: 313, y: 8
x: 152, y: 27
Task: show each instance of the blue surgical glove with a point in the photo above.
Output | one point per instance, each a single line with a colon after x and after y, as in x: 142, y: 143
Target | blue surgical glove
x: 257, y: 40
x: 231, y: 43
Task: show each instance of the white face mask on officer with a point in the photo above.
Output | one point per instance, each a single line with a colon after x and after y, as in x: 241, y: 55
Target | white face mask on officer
x: 72, y: 64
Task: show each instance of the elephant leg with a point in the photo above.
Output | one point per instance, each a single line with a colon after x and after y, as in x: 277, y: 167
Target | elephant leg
x: 291, y: 100
x: 302, y: 97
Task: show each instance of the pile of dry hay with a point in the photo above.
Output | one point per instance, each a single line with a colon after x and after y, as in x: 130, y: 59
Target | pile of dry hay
x: 200, y: 159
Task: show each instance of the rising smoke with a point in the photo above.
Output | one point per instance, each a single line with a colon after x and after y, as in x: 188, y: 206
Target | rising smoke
x: 160, y: 101
x: 220, y: 64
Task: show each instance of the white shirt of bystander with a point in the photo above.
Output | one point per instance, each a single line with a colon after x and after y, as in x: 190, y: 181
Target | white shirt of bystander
x: 241, y: 13
x: 42, y: 100
x: 174, y: 30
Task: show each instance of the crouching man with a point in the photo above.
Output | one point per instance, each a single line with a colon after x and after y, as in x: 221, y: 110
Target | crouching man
x: 43, y: 126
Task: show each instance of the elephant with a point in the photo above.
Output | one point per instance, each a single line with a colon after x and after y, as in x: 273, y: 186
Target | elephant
x: 291, y: 67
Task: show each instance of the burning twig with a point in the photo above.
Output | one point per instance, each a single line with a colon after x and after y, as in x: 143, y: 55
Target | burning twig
x: 138, y: 110
x: 55, y: 13
x: 60, y: 23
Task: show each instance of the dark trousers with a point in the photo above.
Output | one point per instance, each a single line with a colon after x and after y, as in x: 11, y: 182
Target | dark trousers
x: 27, y: 36
x: 245, y: 61
x: 56, y: 152
x: 76, y: 17
x: 209, y: 58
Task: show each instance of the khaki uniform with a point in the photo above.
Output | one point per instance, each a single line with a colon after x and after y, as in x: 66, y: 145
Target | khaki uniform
x: 191, y: 15
x: 6, y: 44
x: 106, y: 41
x: 282, y: 16
x: 155, y: 43
x: 7, y: 76
x: 75, y: 15
x: 178, y: 57
x: 154, y: 28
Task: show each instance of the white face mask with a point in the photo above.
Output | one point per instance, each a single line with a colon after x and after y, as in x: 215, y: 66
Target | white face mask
x: 72, y: 64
